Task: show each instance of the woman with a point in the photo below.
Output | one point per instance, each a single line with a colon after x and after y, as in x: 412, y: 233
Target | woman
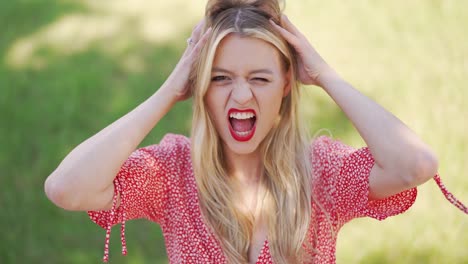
x: 247, y: 187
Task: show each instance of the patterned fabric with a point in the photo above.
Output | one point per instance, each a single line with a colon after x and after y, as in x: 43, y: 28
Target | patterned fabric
x: 157, y: 183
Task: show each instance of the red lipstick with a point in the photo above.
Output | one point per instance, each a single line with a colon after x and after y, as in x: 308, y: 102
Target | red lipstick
x: 242, y: 136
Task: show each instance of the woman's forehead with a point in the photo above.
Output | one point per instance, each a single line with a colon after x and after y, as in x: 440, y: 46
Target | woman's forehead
x: 236, y: 51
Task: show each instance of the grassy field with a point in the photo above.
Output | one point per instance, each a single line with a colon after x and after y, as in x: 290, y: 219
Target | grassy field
x: 70, y: 68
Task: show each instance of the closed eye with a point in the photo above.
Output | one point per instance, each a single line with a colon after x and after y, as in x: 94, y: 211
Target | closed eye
x: 261, y: 79
x: 219, y: 78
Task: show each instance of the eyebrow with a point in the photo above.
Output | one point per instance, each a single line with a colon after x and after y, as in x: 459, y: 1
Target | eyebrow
x: 218, y: 69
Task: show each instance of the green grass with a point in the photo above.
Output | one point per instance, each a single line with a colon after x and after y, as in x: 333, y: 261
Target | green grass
x: 69, y: 68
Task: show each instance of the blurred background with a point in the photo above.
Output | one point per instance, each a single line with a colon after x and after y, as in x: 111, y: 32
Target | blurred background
x: 71, y: 67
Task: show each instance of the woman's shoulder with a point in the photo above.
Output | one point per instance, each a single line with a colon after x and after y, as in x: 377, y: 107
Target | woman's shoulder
x: 171, y: 146
x: 326, y: 147
x: 171, y: 140
x: 321, y: 142
x: 332, y: 159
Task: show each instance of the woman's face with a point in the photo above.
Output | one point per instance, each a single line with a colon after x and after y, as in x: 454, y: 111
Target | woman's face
x: 247, y: 85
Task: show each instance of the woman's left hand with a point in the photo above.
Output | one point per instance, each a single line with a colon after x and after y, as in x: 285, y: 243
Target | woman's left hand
x: 311, y: 66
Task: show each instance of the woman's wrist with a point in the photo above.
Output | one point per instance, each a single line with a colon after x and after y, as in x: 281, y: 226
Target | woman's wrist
x: 169, y: 91
x: 328, y: 77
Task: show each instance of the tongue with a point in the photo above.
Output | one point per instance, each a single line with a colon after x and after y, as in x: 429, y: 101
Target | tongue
x: 242, y: 125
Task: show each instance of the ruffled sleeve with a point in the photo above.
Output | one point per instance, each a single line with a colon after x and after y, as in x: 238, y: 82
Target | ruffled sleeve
x: 341, y: 181
x: 142, y: 186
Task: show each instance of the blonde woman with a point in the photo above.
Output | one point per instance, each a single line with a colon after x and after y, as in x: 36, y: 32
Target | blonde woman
x: 247, y: 186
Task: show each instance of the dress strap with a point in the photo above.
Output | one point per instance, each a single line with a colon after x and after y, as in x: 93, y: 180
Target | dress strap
x: 449, y: 196
x: 117, y: 191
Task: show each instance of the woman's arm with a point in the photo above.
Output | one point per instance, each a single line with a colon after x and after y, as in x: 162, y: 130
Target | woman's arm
x: 84, y: 179
x: 402, y: 159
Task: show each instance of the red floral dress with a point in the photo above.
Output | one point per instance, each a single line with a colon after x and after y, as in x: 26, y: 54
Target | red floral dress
x: 157, y: 183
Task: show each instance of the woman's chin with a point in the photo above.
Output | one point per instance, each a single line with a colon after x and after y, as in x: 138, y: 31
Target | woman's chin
x: 240, y: 148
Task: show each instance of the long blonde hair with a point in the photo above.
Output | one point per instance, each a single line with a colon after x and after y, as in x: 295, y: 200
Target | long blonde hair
x: 285, y: 153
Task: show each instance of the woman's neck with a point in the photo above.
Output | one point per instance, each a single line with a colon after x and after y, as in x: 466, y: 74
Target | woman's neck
x: 247, y: 169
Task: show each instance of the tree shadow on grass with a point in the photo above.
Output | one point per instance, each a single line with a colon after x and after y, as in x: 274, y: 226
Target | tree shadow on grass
x: 19, y: 18
x: 46, y: 112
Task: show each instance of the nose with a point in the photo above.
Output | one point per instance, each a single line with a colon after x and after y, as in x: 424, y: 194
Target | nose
x: 241, y: 93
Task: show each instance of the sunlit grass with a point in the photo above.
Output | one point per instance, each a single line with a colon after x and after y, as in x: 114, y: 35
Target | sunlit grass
x: 69, y: 68
x: 414, y: 64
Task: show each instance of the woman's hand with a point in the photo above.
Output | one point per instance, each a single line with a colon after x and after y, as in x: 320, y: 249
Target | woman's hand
x: 178, y: 81
x: 402, y: 160
x: 311, y: 65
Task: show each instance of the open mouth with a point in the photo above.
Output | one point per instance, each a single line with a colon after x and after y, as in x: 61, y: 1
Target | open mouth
x: 242, y: 124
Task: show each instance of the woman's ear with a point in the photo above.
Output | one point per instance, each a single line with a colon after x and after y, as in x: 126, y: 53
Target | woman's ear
x: 287, y: 83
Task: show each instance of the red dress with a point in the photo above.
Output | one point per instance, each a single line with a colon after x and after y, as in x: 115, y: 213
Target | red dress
x: 157, y: 183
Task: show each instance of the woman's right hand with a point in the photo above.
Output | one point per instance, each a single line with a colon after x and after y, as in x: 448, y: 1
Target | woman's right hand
x: 178, y: 81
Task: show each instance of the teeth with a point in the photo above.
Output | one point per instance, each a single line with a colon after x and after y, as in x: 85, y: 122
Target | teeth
x: 243, y: 133
x: 244, y: 115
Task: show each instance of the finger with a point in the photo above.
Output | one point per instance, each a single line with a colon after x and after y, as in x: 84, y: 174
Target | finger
x: 287, y: 24
x: 195, y: 36
x: 189, y: 47
x: 197, y: 31
x: 290, y: 37
x: 199, y: 45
